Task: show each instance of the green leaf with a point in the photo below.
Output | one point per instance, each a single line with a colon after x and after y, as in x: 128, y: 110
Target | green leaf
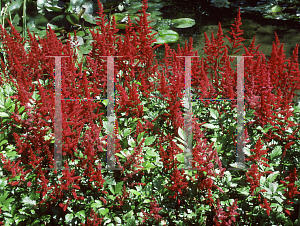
x: 55, y: 9
x: 214, y: 113
x: 73, y: 19
x: 3, y: 141
x: 128, y: 215
x: 97, y: 204
x: 103, y: 211
x: 140, y: 136
x: 166, y: 36
x: 135, y: 192
x: 210, y: 126
x: 80, y: 214
x: 272, y: 176
x: 180, y: 157
x: 14, y: 6
x: 119, y: 187
x: 110, y: 187
x: 120, y: 155
x: 182, y: 134
x: 27, y: 200
x: 69, y: 217
x: 183, y: 22
x: 276, y: 9
x: 277, y: 152
x: 131, y: 142
x: 118, y: 220
x: 89, y: 18
x: 151, y: 153
x: 4, y: 115
x: 149, y: 140
x: 147, y: 165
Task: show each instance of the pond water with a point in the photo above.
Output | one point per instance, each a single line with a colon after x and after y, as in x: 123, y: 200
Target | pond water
x: 253, y: 24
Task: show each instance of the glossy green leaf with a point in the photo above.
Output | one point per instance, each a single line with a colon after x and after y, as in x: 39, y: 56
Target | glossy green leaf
x: 121, y: 26
x: 69, y: 217
x: 119, y: 187
x: 149, y: 140
x: 73, y: 19
x: 276, y: 9
x: 14, y: 6
x: 167, y: 36
x: 276, y: 153
x: 89, y: 18
x: 118, y: 220
x: 151, y: 153
x: 103, y: 211
x: 183, y: 23
x: 55, y: 9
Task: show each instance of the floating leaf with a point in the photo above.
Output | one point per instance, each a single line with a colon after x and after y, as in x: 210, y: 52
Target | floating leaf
x: 167, y: 36
x: 183, y: 22
x: 276, y: 9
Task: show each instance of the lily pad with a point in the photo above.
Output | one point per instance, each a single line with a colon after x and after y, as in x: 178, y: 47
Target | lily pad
x: 166, y: 36
x: 276, y: 9
x: 183, y: 22
x: 163, y: 24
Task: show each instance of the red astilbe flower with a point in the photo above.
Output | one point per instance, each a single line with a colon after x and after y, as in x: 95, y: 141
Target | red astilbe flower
x: 291, y: 190
x: 253, y: 175
x: 266, y: 206
x: 222, y: 217
x: 93, y: 220
x: 153, y: 212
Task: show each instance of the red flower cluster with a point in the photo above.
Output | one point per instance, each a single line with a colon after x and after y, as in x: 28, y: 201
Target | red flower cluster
x: 226, y: 218
x: 136, y: 64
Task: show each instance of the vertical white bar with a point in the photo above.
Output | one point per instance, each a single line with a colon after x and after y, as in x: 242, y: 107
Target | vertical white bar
x: 240, y: 163
x: 188, y: 125
x: 57, y: 116
x: 110, y: 114
x: 240, y: 111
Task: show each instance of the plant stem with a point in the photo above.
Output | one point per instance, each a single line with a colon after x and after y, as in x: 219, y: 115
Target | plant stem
x: 24, y: 19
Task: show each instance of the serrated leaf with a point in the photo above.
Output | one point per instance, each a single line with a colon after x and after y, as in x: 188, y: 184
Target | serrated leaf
x: 120, y: 155
x: 69, y: 217
x: 272, y: 176
x: 118, y: 220
x: 126, y: 132
x: 27, y: 200
x: 180, y: 157
x: 135, y: 192
x: 151, y: 153
x: 119, y: 187
x: 149, y: 140
x: 103, y: 211
x: 96, y: 205
x: 276, y: 152
x: 147, y: 165
x: 128, y: 215
x: 214, y: 113
x: 210, y: 126
x: 131, y: 142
